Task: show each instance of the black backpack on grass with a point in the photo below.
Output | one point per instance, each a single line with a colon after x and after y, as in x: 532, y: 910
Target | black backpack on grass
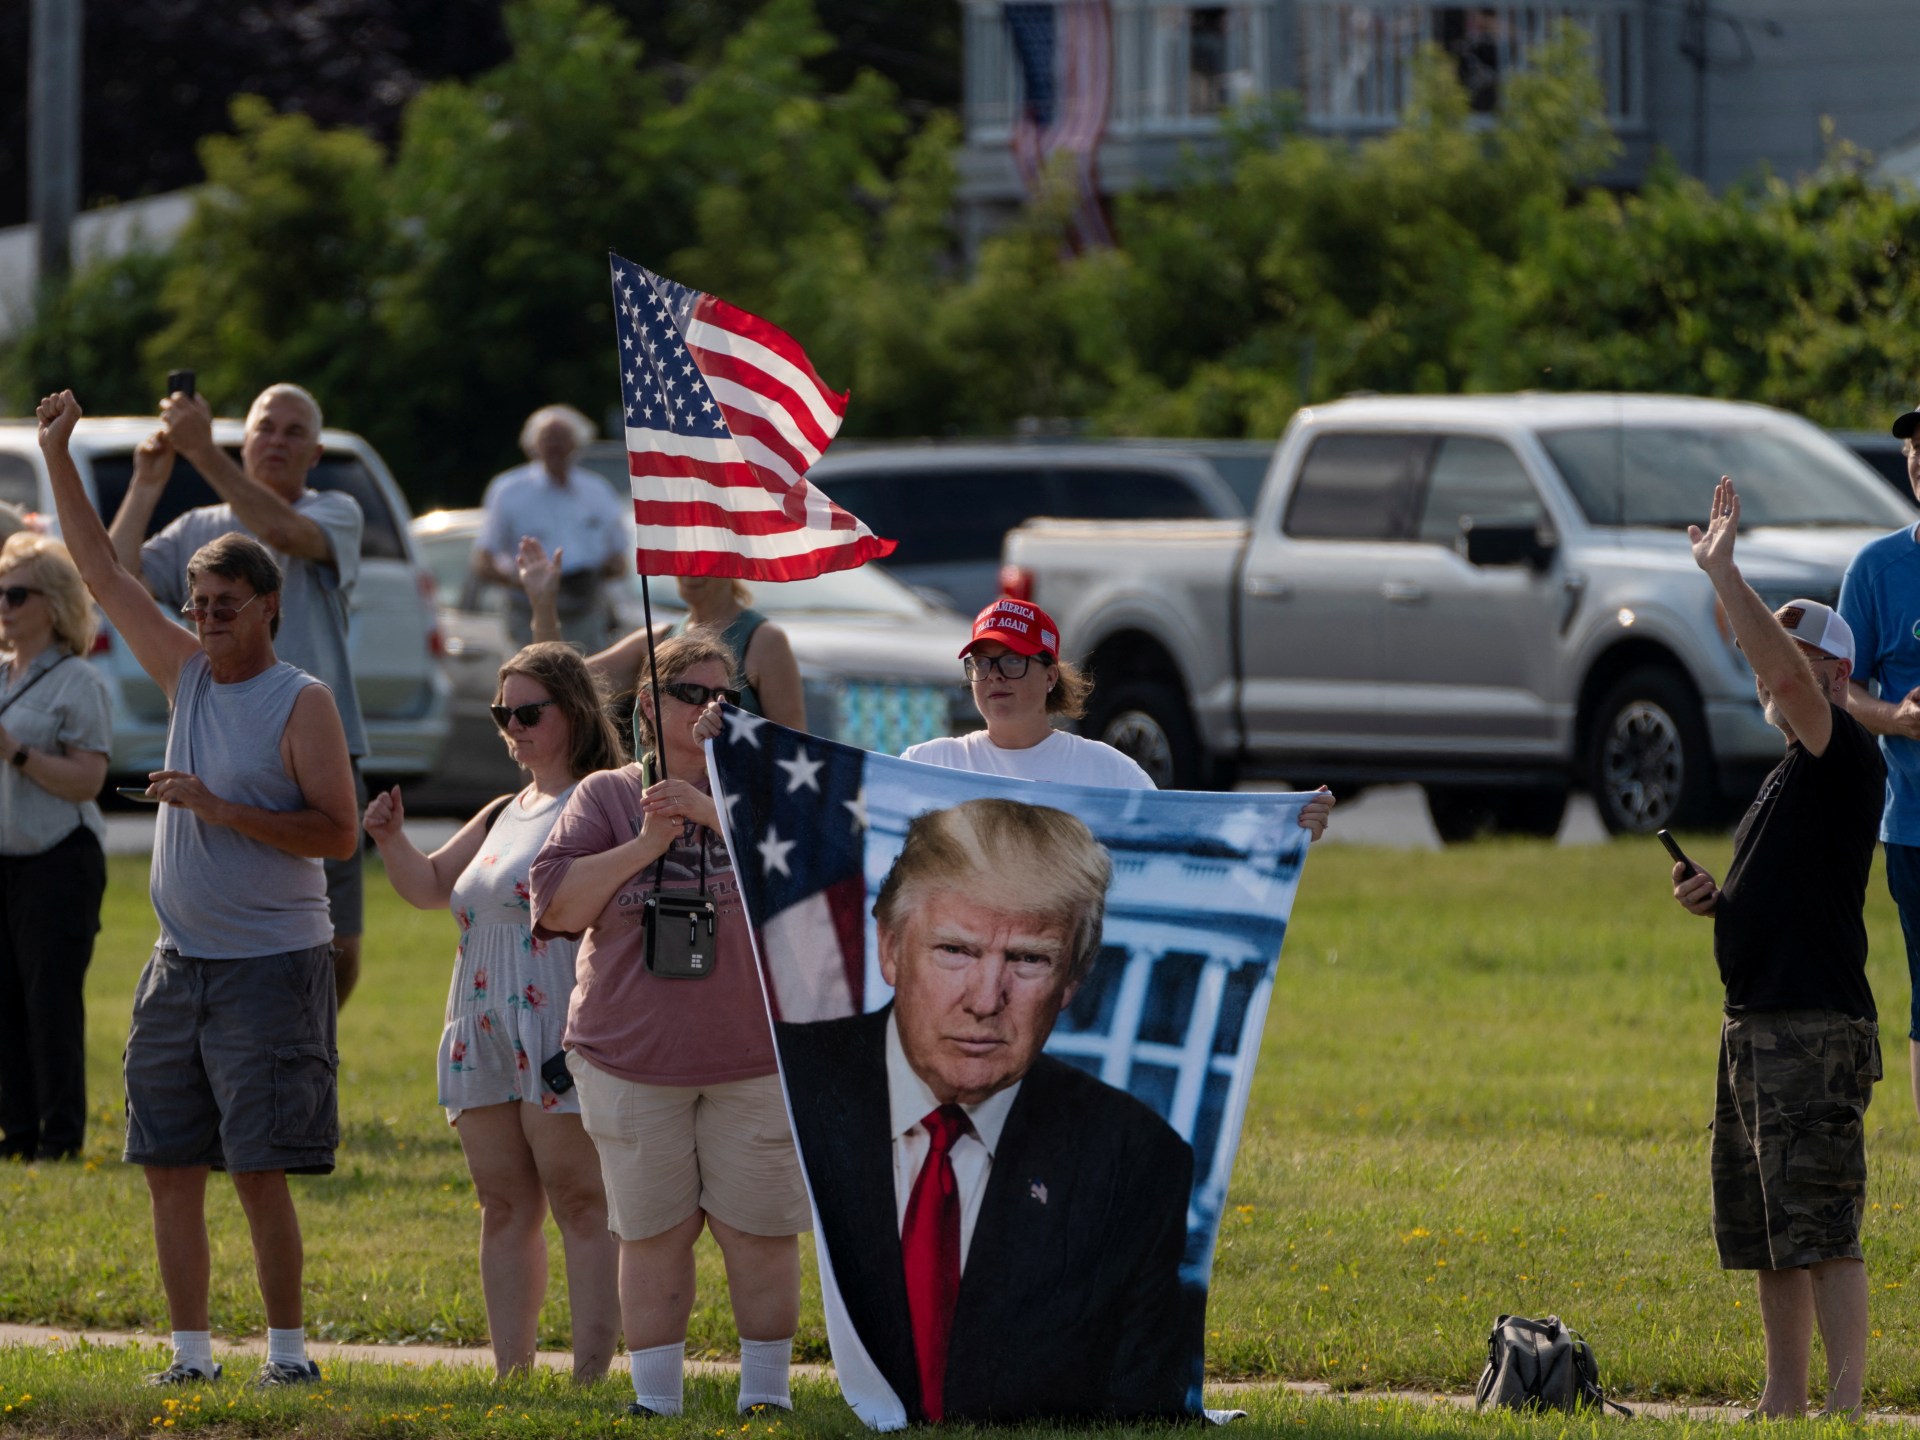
x: 1539, y: 1365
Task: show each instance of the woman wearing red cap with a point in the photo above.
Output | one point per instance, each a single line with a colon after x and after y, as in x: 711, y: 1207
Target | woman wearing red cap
x: 1020, y: 684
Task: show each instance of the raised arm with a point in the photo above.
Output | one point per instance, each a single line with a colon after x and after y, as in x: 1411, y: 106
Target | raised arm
x: 313, y: 748
x: 160, y: 646
x: 271, y: 517
x: 1770, y: 650
x: 423, y: 881
x: 617, y: 666
x: 152, y: 468
x: 539, y: 576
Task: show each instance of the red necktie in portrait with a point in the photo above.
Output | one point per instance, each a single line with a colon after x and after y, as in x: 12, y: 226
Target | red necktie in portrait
x: 930, y: 1248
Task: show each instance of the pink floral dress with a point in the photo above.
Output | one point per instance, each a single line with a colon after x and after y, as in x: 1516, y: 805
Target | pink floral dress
x: 507, y: 1008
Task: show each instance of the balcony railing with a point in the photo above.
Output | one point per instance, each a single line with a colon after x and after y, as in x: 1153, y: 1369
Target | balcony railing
x: 1179, y: 67
x: 1354, y: 66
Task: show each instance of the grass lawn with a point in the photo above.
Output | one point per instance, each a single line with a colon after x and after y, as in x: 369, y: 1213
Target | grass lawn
x: 1485, y: 1086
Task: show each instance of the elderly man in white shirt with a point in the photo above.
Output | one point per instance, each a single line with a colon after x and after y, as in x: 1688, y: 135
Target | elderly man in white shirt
x: 585, y: 525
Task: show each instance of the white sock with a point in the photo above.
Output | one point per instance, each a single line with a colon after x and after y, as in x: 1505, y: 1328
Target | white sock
x: 194, y: 1349
x: 287, y: 1347
x: 659, y: 1377
x: 763, y: 1373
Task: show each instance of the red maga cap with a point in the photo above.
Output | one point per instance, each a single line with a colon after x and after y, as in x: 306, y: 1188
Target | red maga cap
x: 1021, y: 626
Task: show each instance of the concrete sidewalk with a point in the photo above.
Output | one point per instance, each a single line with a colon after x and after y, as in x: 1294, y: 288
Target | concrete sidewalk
x: 1220, y: 1394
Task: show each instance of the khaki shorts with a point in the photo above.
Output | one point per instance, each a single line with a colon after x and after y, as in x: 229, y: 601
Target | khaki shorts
x: 667, y: 1151
x: 1789, y: 1137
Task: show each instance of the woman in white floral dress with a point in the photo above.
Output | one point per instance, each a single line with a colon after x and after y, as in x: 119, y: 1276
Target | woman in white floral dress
x: 507, y: 1011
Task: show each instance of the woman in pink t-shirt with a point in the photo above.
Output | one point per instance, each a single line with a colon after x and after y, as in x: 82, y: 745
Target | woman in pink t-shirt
x: 677, y: 1080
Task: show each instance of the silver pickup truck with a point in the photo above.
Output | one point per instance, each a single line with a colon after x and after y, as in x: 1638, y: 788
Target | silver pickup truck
x: 1490, y: 595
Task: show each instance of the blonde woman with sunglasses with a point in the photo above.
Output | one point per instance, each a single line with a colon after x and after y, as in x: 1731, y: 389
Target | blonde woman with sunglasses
x: 56, y: 727
x: 502, y: 1077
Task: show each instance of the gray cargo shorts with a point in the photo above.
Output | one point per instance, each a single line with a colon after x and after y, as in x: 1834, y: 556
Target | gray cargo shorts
x: 1789, y: 1137
x: 233, y: 1063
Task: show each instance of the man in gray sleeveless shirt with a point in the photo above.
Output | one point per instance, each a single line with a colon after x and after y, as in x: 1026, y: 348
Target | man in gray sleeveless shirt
x: 230, y: 1061
x: 315, y: 535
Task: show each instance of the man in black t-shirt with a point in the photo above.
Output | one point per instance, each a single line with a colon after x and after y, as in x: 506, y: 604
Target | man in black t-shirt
x: 1799, y: 1047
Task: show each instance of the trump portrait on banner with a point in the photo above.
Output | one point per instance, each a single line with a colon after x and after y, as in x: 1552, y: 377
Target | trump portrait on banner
x: 1006, y: 1231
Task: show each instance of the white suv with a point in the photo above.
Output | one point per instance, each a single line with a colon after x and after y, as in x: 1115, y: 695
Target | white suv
x: 393, y: 632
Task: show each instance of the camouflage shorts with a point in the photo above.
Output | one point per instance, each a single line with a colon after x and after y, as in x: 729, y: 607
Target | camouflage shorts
x: 1789, y: 1137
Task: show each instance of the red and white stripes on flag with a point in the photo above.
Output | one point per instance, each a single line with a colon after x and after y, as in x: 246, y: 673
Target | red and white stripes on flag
x: 724, y: 416
x: 1064, y: 49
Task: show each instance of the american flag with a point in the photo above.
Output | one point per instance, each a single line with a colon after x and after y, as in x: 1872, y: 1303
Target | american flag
x: 1065, y: 51
x: 796, y: 821
x: 724, y: 416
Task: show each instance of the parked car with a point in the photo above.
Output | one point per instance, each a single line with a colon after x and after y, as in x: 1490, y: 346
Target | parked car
x: 877, y: 660
x: 950, y: 506
x: 392, y: 630
x: 1884, y: 453
x: 1490, y: 595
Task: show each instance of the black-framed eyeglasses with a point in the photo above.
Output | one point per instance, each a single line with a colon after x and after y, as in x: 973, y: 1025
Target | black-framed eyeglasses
x: 200, y: 611
x: 1009, y: 666
x: 528, y: 715
x: 697, y: 696
x: 16, y: 595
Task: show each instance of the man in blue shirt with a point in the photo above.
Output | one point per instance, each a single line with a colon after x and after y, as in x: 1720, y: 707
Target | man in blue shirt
x: 1880, y: 599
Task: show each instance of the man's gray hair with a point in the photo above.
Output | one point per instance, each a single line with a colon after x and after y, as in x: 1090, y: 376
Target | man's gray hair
x: 298, y: 392
x: 1028, y: 859
x: 582, y: 427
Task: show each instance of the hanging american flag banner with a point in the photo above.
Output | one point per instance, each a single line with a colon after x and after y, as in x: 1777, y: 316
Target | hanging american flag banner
x: 724, y: 416
x: 1065, y: 53
x: 1082, y: 1290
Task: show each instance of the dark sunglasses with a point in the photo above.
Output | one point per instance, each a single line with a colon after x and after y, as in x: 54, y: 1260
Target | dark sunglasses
x: 688, y: 693
x: 200, y: 611
x: 528, y: 715
x: 16, y: 595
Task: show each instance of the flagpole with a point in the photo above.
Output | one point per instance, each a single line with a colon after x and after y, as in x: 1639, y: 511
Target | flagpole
x: 653, y: 679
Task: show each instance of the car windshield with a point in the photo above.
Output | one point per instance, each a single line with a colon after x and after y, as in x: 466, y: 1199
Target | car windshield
x: 1244, y: 474
x: 865, y: 591
x: 1663, y: 476
x: 448, y: 557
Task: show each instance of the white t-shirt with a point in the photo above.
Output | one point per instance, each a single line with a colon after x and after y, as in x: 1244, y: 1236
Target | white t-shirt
x: 585, y: 516
x: 1064, y: 758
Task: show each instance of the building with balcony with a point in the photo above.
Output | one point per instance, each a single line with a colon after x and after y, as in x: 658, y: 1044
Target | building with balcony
x: 1725, y: 87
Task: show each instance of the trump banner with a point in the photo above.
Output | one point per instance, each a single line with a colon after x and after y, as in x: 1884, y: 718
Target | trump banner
x: 1017, y: 1026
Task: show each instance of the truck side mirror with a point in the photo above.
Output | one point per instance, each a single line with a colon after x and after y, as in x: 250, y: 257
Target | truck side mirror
x: 1493, y: 543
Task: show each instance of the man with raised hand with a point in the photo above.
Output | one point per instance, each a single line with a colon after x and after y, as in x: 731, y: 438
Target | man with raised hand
x: 315, y: 536
x: 1799, y: 1046
x: 230, y: 1060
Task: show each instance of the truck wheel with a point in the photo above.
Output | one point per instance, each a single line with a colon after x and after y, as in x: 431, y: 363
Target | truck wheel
x: 1649, y: 764
x: 1148, y: 723
x: 1466, y: 812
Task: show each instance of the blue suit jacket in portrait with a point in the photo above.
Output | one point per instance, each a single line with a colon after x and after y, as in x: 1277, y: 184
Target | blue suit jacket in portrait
x: 1071, y: 1304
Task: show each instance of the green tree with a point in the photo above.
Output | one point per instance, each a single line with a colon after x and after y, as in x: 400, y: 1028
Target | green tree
x: 91, y: 333
x: 277, y: 272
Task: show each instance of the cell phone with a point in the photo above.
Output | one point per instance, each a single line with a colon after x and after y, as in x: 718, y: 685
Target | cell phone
x: 136, y: 792
x: 180, y: 382
x: 554, y: 1071
x: 1673, y: 849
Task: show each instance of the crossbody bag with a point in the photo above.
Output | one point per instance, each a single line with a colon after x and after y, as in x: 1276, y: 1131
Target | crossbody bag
x: 679, y: 928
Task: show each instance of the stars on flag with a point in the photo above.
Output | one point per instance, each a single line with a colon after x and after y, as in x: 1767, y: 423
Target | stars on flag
x: 774, y: 851
x: 801, y: 771
x: 742, y: 726
x: 651, y: 316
